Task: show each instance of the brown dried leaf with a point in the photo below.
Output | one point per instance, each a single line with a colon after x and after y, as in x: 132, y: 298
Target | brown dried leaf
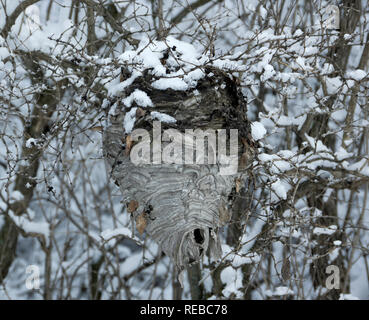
x: 128, y: 144
x: 140, y: 112
x: 238, y: 185
x: 141, y: 223
x: 98, y: 128
x: 243, y: 161
x: 244, y: 142
x: 132, y: 206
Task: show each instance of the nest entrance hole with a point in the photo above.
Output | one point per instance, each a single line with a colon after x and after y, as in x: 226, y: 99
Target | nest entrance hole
x: 199, y: 237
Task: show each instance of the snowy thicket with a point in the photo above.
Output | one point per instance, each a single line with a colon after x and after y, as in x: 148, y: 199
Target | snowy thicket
x: 63, y: 69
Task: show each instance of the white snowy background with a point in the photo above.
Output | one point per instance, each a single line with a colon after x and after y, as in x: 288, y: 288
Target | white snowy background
x: 76, y: 230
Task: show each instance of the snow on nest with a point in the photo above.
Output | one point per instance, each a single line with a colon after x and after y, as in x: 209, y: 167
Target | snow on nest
x: 140, y: 97
x: 163, y: 117
x: 129, y: 120
x: 175, y: 63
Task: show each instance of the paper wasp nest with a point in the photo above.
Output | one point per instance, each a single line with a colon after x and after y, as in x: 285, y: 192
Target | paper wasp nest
x: 181, y: 206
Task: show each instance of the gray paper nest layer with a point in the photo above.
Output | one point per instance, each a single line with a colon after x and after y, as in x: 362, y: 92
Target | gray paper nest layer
x: 183, y: 205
